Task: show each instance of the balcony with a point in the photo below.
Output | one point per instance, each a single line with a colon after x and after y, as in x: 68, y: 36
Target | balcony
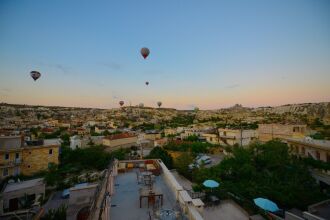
x: 11, y: 163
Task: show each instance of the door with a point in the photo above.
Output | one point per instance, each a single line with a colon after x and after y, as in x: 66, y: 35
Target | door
x: 13, y: 204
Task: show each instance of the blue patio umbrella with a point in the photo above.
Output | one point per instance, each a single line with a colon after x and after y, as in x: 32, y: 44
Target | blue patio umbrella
x: 210, y: 184
x: 266, y: 204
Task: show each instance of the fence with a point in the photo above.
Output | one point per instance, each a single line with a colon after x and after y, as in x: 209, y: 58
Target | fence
x: 99, y: 208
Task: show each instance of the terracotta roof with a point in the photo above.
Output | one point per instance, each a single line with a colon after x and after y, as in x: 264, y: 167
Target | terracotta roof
x: 120, y: 136
x: 47, y: 130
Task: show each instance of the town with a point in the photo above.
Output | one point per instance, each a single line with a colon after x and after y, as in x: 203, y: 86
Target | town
x: 165, y: 110
x: 88, y: 163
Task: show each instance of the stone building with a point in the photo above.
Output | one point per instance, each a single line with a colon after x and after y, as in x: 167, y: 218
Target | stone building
x: 236, y: 136
x: 211, y: 138
x: 20, y: 157
x: 267, y: 132
x: 308, y: 147
x: 117, y: 141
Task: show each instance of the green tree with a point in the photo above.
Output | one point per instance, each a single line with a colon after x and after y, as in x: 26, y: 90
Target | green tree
x: 94, y: 157
x: 192, y: 138
x: 265, y: 170
x: 52, y: 175
x: 160, y: 153
x: 317, y: 136
x: 66, y: 139
x: 106, y: 133
x: 56, y: 214
x: 181, y: 164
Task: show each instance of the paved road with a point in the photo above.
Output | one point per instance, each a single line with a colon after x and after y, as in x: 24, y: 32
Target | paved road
x: 216, y: 159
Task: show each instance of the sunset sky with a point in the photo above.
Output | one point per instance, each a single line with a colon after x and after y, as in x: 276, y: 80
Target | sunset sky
x: 210, y: 54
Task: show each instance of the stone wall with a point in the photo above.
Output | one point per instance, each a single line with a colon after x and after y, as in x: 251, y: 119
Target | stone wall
x: 117, y: 143
x: 36, y: 159
x: 267, y: 132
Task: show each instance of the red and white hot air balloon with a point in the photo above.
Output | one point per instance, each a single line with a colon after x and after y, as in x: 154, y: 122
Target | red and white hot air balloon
x: 35, y: 75
x: 159, y: 104
x: 121, y: 103
x: 145, y: 52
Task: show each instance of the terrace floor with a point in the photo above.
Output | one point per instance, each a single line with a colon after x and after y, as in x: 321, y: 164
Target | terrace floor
x: 125, y: 201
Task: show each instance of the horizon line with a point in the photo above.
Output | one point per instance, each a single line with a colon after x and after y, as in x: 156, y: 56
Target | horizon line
x: 254, y: 107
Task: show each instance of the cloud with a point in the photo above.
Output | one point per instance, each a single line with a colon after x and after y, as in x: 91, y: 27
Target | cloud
x: 114, y: 95
x: 112, y: 65
x: 232, y: 86
x: 5, y: 90
x: 191, y: 106
x: 64, y: 69
x: 101, y: 84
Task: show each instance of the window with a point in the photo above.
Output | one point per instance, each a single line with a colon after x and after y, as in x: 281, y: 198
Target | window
x: 328, y: 157
x: 29, y: 166
x: 6, y: 156
x: 50, y: 151
x: 30, y: 152
x: 317, y: 155
x: 5, y: 172
x: 303, y: 151
x: 17, y: 155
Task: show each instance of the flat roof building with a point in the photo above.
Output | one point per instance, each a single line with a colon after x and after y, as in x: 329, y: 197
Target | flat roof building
x: 117, y: 141
x: 13, y: 193
x: 267, y: 132
x: 143, y: 189
x: 20, y: 157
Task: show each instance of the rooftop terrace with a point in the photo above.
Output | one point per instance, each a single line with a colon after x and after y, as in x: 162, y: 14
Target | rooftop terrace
x: 125, y: 201
x: 148, y: 190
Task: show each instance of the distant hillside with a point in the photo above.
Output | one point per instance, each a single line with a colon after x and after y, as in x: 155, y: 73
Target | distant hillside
x: 317, y: 110
x: 310, y: 110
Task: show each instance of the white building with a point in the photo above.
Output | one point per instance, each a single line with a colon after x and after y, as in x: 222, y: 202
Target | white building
x: 236, y: 136
x: 77, y: 141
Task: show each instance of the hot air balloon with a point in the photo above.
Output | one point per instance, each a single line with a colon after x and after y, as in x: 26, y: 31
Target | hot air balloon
x: 145, y: 52
x: 159, y: 104
x: 121, y: 103
x: 35, y: 75
x: 141, y: 105
x: 147, y: 83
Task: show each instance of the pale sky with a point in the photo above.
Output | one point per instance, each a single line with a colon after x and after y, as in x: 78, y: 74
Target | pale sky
x: 210, y: 54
